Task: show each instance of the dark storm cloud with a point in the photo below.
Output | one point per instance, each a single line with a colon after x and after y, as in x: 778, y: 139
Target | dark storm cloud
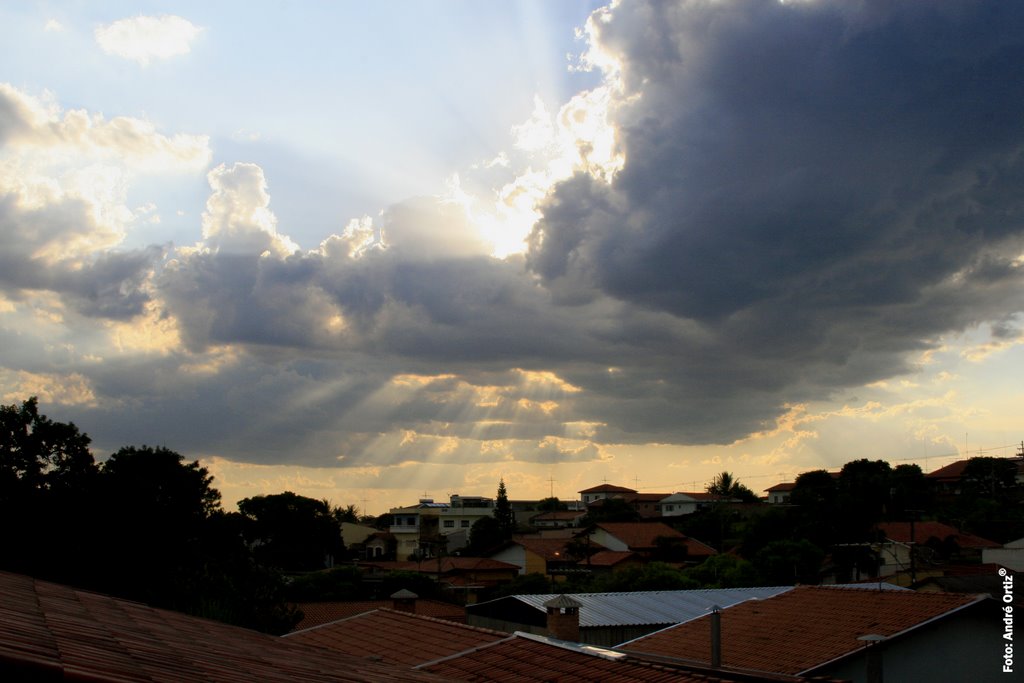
x: 822, y: 187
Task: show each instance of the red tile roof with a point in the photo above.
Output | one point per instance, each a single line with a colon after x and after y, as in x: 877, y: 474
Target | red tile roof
x: 799, y: 630
x: 900, y: 532
x: 608, y: 488
x: 608, y: 558
x: 640, y: 535
x: 531, y: 659
x: 650, y: 497
x: 547, y: 548
x: 644, y: 536
x: 558, y: 516
x: 396, y: 637
x: 53, y: 631
x: 784, y: 486
x: 525, y: 659
x: 955, y: 470
x: 316, y: 613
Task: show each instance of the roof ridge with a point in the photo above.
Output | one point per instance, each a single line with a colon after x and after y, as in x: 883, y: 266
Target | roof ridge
x: 456, y: 655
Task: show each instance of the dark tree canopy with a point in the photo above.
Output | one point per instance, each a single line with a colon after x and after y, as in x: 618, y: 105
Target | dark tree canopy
x: 38, y: 453
x: 146, y: 525
x: 292, y: 532
x: 727, y: 486
x: 552, y: 504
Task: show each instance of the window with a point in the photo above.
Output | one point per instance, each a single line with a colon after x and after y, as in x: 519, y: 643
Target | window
x: 449, y: 524
x: 669, y: 508
x: 464, y: 523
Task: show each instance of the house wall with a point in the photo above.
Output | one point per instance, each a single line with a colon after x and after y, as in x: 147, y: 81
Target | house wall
x: 676, y: 506
x: 602, y: 537
x: 535, y: 564
x: 1011, y: 558
x: 965, y: 646
x: 515, y: 554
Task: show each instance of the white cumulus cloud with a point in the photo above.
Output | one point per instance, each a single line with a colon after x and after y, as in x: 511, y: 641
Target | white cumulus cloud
x: 144, y: 39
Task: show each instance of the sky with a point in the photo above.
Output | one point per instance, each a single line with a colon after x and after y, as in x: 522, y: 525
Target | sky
x: 372, y: 252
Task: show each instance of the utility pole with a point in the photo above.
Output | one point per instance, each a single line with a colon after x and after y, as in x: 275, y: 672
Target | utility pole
x: 913, y: 546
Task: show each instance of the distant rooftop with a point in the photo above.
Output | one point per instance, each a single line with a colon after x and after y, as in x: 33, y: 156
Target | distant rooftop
x: 642, y: 607
x: 801, y: 629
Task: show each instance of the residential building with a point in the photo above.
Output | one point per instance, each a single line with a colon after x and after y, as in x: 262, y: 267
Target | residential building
x: 612, y: 561
x: 932, y: 543
x: 557, y: 519
x: 947, y: 481
x: 604, y: 491
x: 647, y: 505
x: 423, y: 529
x: 684, y: 503
x: 532, y: 555
x: 651, y: 541
x: 1010, y: 555
x: 779, y: 494
x: 838, y: 632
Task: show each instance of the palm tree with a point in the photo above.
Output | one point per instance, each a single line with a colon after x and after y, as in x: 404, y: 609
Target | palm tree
x: 727, y: 486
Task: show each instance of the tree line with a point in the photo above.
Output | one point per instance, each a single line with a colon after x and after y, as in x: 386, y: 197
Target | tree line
x: 147, y: 525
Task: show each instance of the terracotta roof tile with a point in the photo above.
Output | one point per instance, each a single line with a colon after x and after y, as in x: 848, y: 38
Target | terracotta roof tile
x: 530, y: 659
x: 396, y: 637
x: 640, y: 534
x: 644, y: 536
x: 900, y: 532
x: 608, y: 558
x: 558, y: 516
x: 548, y: 548
x: 801, y: 629
x: 316, y: 613
x: 607, y: 488
x: 55, y: 630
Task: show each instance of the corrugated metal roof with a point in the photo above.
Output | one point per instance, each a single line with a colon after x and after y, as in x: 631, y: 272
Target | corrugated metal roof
x: 650, y: 607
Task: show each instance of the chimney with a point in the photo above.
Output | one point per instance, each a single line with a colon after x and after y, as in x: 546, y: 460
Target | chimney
x: 716, y: 637
x: 404, y: 601
x: 564, y: 618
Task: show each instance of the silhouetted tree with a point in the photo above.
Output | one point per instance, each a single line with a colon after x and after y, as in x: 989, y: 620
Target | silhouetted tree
x: 484, y: 536
x: 47, y: 482
x: 349, y: 513
x: 727, y: 486
x: 551, y: 505
x: 291, y: 532
x: 863, y: 496
x: 154, y: 508
x: 910, y: 491
x: 724, y: 571
x: 783, y: 563
x: 610, y: 510
x: 503, y: 511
